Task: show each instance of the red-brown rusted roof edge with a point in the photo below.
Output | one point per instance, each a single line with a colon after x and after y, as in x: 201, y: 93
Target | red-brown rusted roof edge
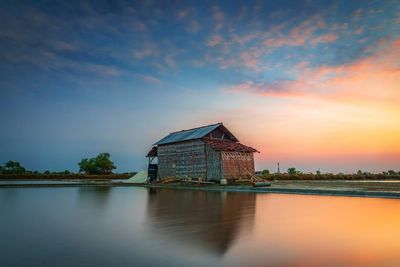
x: 228, y: 145
x: 152, y: 152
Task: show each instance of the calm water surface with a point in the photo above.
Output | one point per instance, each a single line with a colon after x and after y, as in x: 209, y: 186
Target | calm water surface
x: 139, y: 227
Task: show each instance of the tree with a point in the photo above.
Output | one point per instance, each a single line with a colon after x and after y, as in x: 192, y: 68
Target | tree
x: 104, y: 163
x: 265, y: 172
x: 101, y: 164
x: 87, y: 166
x: 292, y: 171
x: 13, y: 167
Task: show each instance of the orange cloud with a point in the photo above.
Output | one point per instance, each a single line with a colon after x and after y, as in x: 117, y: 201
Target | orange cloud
x: 251, y: 58
x: 325, y: 38
x: 340, y: 118
x: 376, y: 78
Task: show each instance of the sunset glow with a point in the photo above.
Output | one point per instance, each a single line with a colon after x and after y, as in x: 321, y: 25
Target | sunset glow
x: 310, y: 84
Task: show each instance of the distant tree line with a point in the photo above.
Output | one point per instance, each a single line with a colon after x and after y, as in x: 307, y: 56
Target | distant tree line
x: 293, y: 172
x: 101, y: 164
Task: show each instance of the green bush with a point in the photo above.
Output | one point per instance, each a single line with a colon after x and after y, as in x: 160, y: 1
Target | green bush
x: 292, y: 171
x: 12, y: 167
x: 265, y: 172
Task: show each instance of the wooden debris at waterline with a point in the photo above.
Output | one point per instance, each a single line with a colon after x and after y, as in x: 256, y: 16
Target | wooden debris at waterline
x: 178, y: 180
x: 197, y: 182
x: 168, y: 180
x: 257, y: 181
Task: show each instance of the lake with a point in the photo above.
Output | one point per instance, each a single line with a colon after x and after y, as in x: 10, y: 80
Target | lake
x: 130, y: 226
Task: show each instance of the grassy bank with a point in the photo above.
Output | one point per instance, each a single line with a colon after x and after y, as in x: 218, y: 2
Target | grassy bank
x: 58, y: 176
x: 328, y: 176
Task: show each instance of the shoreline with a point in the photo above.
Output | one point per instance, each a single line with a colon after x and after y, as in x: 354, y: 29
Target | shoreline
x: 64, y: 177
x: 334, y: 188
x: 295, y: 191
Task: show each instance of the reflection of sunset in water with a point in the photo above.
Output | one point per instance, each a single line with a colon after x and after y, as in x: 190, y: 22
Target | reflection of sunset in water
x: 131, y: 226
x: 280, y: 230
x: 293, y: 230
x: 210, y: 221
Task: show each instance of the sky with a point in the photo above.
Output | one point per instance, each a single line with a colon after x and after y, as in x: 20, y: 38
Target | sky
x: 310, y: 84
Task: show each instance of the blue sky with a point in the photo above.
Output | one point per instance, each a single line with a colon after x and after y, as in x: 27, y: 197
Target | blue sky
x: 82, y: 77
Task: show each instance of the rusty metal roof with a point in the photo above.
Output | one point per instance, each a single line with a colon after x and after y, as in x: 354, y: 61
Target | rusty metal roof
x: 228, y: 145
x: 194, y: 133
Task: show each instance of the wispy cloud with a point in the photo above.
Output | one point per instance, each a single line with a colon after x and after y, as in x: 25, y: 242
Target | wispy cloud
x: 300, y: 35
x: 356, y: 81
x: 215, y: 40
x: 218, y: 18
x: 193, y: 26
x: 101, y: 69
x: 182, y: 14
x: 139, y: 26
x: 62, y: 45
x: 325, y: 38
x: 251, y: 58
x: 359, y: 30
x: 151, y: 79
x: 148, y: 50
x: 170, y: 60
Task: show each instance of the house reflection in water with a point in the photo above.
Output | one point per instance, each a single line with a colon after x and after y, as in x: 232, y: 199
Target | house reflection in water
x: 209, y: 220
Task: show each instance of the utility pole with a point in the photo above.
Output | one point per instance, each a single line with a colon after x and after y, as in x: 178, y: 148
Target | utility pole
x: 279, y: 171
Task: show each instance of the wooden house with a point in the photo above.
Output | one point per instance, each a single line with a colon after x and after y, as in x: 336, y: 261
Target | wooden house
x: 207, y: 153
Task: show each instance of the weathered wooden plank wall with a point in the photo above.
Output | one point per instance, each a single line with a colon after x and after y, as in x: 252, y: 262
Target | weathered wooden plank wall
x: 214, y: 167
x: 237, y: 165
x: 182, y: 160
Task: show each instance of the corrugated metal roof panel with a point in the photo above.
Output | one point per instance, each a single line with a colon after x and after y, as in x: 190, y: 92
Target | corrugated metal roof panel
x: 188, y: 134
